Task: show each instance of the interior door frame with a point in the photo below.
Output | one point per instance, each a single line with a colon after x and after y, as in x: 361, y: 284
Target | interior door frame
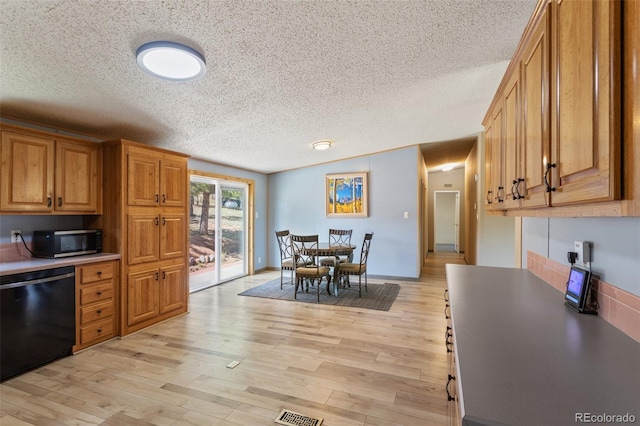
x: 456, y: 219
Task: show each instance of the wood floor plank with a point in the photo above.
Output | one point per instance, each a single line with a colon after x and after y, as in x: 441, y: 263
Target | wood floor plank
x: 349, y: 366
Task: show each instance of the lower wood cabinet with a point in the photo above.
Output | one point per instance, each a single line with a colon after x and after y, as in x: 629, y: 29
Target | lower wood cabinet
x: 154, y: 293
x: 96, y: 296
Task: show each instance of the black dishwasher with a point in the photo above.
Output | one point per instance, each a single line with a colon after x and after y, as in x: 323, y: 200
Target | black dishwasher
x: 37, y: 318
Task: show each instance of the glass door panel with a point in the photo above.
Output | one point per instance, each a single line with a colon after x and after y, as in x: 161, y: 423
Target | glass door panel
x: 217, y: 231
x: 232, y: 231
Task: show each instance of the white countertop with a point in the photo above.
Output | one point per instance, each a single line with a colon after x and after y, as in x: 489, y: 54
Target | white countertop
x: 34, y: 264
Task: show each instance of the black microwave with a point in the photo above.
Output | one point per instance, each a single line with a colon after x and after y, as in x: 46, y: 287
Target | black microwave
x: 54, y: 244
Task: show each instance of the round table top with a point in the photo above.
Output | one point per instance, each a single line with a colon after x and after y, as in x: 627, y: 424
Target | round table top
x: 326, y: 249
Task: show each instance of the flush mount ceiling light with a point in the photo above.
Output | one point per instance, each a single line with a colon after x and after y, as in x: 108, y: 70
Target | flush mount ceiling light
x: 171, y: 61
x: 447, y: 167
x: 322, y: 145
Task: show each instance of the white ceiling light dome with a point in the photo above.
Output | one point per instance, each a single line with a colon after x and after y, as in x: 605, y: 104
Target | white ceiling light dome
x: 171, y: 61
x: 321, y: 145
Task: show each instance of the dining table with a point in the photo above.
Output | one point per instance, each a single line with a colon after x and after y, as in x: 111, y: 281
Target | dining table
x: 326, y: 249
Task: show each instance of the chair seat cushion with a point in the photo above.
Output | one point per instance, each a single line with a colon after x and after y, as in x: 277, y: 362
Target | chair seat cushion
x: 321, y: 270
x: 352, y: 268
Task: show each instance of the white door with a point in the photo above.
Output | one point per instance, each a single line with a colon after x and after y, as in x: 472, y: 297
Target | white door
x: 217, y: 231
x: 446, y: 207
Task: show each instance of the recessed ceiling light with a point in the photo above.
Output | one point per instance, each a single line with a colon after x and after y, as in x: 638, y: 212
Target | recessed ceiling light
x: 171, y: 61
x: 322, y: 145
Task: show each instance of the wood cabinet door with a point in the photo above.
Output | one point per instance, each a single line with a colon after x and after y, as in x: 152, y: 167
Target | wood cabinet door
x: 497, y: 160
x: 173, y: 288
x: 173, y: 235
x: 512, y: 140
x: 173, y: 183
x: 586, y: 120
x: 142, y: 296
x: 77, y: 177
x: 536, y: 146
x: 27, y: 173
x: 143, y: 238
x: 488, y: 176
x: 143, y: 183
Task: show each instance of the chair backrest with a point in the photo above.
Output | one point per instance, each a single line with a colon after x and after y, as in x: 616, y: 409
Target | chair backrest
x: 304, y: 249
x: 366, y: 246
x: 340, y: 237
x: 284, y: 245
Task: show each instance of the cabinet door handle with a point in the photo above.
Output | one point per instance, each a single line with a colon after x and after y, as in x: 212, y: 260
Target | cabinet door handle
x: 489, y: 196
x: 514, y: 188
x: 157, y: 198
x: 164, y: 221
x: 520, y: 196
x: 164, y: 198
x: 500, y: 194
x: 164, y: 275
x: 546, y: 176
x: 449, y: 397
x: 446, y: 294
x: 446, y: 315
x: 48, y: 201
x: 59, y: 201
x: 157, y: 221
x: 157, y: 276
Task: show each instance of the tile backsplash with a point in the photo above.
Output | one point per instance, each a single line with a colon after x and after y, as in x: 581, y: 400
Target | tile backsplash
x: 618, y: 307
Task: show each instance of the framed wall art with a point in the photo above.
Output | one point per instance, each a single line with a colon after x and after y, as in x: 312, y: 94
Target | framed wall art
x: 346, y: 195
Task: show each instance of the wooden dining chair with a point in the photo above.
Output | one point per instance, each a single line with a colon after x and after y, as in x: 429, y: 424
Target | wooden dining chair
x: 286, y: 255
x: 304, y: 249
x: 359, y: 269
x: 338, y: 237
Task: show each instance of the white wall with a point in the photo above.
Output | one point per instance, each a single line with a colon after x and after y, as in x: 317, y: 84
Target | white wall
x: 496, y: 234
x: 616, y: 245
x: 297, y: 203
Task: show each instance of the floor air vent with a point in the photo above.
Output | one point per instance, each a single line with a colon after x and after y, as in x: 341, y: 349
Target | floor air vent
x: 290, y: 418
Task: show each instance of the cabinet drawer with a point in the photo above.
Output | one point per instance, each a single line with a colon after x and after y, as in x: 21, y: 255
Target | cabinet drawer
x: 96, y: 293
x: 96, y: 312
x: 99, y: 272
x: 100, y: 331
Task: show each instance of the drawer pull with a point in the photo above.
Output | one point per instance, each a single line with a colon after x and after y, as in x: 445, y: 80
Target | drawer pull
x: 99, y: 330
x: 99, y: 272
x: 99, y: 311
x: 98, y: 293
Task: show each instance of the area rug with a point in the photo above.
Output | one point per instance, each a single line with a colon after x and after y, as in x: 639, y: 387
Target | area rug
x: 379, y: 297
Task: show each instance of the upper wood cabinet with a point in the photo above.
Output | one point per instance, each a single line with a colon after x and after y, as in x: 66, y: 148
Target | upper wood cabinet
x: 561, y: 112
x: 155, y: 181
x: 46, y: 173
x: 586, y: 107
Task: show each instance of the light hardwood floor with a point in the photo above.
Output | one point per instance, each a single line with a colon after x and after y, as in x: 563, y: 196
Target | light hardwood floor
x: 348, y: 366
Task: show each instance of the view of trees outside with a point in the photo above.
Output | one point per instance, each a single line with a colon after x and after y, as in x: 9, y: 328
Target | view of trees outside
x: 202, y: 226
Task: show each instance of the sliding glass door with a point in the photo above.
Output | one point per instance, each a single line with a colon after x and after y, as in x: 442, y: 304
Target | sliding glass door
x: 217, y: 232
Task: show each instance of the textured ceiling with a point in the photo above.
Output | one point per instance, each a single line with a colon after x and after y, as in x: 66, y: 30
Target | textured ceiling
x: 372, y: 75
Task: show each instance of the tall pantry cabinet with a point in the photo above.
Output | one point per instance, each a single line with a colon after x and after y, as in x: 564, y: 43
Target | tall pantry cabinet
x: 145, y: 204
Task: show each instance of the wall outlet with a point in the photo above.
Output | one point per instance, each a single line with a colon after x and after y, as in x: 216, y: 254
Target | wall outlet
x: 259, y: 260
x: 583, y: 249
x: 15, y: 236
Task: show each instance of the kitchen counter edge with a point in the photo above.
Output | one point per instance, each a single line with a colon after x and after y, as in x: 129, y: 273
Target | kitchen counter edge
x: 36, y: 264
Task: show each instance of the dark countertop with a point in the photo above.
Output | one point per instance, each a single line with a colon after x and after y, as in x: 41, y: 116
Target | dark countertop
x: 33, y: 264
x: 524, y: 358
